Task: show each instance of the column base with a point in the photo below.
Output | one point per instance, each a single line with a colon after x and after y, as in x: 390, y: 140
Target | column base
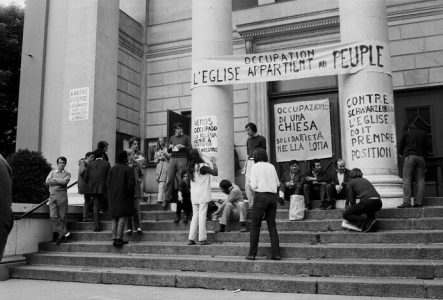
x: 390, y: 188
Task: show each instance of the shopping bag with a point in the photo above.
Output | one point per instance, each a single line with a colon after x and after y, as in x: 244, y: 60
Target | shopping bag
x: 297, y: 208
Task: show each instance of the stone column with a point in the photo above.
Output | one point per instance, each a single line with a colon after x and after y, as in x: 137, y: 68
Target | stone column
x: 212, y: 36
x: 369, y: 138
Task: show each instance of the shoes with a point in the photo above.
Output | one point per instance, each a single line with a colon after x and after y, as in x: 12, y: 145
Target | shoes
x: 139, y: 230
x: 176, y: 219
x: 119, y: 243
x: 309, y: 206
x: 404, y: 206
x: 347, y: 225
x: 250, y: 257
x: 417, y: 205
x: 191, y: 242
x: 185, y: 220
x: 129, y: 231
x: 61, y: 240
x: 281, y: 201
x: 96, y: 230
x: 205, y: 242
x: 114, y: 243
x: 275, y: 257
x: 370, y: 225
x: 330, y: 207
x: 244, y: 228
x: 347, y: 206
x: 165, y: 205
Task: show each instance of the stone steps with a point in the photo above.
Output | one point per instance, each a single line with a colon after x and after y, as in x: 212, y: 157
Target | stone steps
x: 403, y: 259
x: 338, y: 285
x: 419, y: 269
x: 288, y: 250
x: 342, y: 237
x: 282, y: 225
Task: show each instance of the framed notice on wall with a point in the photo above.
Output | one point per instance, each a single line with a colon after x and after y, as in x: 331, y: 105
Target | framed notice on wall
x: 79, y: 104
x: 302, y: 130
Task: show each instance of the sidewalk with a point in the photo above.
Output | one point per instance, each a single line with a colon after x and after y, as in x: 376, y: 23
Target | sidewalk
x: 19, y: 289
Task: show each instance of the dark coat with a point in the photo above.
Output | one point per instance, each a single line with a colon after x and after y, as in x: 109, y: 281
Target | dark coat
x: 346, y: 179
x: 121, y: 187
x: 322, y: 176
x: 95, y: 177
x: 299, y: 179
x: 6, y: 220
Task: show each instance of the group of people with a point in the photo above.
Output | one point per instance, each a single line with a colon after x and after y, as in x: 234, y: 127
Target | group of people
x: 183, y: 177
x: 119, y: 186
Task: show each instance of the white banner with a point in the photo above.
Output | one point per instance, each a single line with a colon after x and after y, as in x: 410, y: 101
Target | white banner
x: 371, y: 127
x: 302, y: 130
x: 79, y: 104
x: 292, y: 64
x: 205, y: 134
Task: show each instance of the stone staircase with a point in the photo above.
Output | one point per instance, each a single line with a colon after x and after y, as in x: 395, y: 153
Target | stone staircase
x: 403, y: 259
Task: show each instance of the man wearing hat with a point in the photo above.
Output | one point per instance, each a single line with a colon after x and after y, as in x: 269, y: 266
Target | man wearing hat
x: 179, y: 145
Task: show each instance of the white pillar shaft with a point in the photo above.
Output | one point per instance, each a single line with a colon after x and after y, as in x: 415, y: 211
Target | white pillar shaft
x: 370, y: 138
x: 212, y: 36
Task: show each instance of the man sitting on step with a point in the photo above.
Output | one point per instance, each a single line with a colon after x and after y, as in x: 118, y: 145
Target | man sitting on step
x: 233, y: 208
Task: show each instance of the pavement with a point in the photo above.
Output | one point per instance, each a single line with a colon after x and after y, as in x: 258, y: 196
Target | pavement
x: 21, y: 289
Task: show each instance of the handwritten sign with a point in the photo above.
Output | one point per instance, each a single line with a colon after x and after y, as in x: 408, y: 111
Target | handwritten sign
x: 205, y: 134
x: 79, y: 104
x: 370, y: 123
x: 292, y: 64
x: 302, y: 130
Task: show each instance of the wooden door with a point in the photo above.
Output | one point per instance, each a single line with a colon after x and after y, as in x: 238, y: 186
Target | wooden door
x: 334, y: 125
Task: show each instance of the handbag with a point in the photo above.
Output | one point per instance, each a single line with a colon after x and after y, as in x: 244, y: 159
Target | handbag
x: 297, y: 208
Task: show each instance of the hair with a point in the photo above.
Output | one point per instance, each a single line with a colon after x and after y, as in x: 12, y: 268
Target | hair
x: 252, y: 126
x: 315, y: 161
x: 194, y: 158
x: 356, y: 173
x: 132, y: 140
x: 122, y: 157
x: 225, y: 184
x: 183, y: 173
x: 340, y: 160
x: 178, y: 125
x: 102, y: 145
x: 98, y: 153
x: 293, y: 162
x: 158, y: 142
x: 260, y: 155
x: 62, y: 158
x: 89, y: 153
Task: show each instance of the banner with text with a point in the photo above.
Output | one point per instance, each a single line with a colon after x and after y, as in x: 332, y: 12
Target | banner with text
x: 205, y: 134
x: 292, y: 64
x: 302, y: 130
x: 370, y: 126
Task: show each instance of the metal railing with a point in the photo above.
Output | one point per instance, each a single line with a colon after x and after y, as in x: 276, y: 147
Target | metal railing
x: 38, y: 206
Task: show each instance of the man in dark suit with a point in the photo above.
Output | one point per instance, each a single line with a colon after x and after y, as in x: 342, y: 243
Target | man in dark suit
x: 337, y: 189
x: 316, y: 180
x: 292, y: 181
x: 6, y: 220
x: 96, y: 176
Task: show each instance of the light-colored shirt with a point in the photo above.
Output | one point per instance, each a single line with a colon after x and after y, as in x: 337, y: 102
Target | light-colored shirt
x: 58, y: 186
x: 341, y: 177
x: 264, y: 178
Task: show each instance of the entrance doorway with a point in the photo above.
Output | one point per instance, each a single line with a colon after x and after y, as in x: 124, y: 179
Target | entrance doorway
x: 332, y: 96
x: 423, y: 108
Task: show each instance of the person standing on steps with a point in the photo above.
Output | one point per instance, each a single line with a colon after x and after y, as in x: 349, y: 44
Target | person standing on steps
x: 81, y: 183
x: 254, y: 141
x: 200, y: 174
x: 233, y: 209
x: 179, y: 146
x: 136, y: 217
x: 161, y: 158
x: 369, y: 204
x: 95, y: 178
x: 265, y: 183
x: 413, y: 146
x: 57, y: 181
x: 121, y: 188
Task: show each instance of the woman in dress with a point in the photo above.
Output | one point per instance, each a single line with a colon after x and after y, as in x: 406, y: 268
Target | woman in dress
x: 200, y: 174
